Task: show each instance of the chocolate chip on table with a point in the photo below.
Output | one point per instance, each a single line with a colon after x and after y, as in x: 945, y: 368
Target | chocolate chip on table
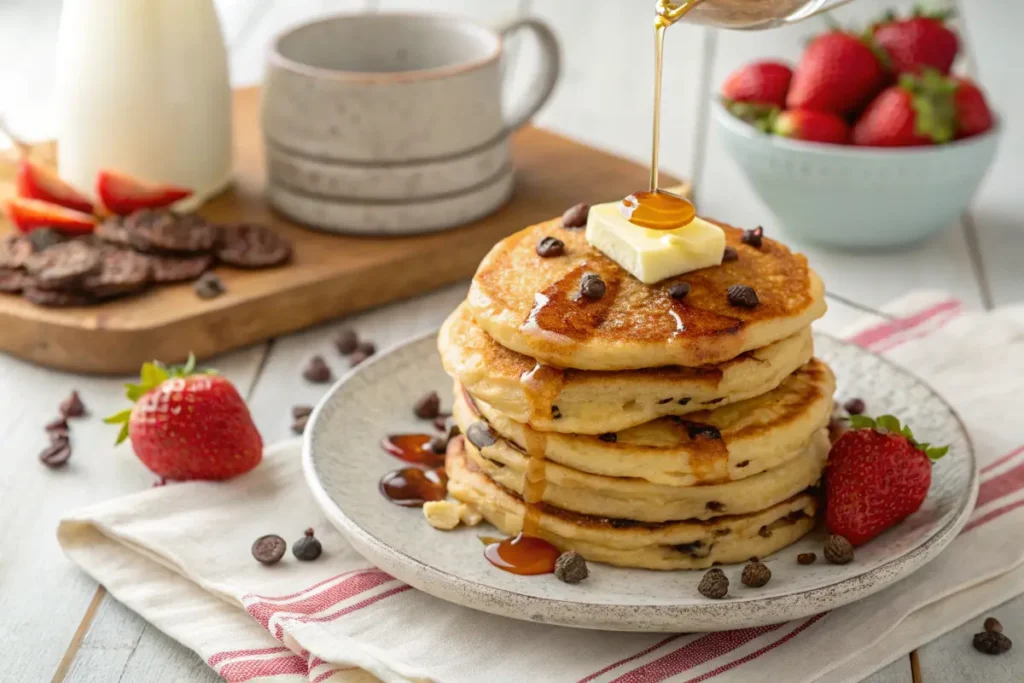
x: 838, y: 550
x: 346, y: 341
x: 549, y: 247
x: 269, y: 549
x: 209, y: 286
x: 357, y: 357
x: 609, y: 437
x: 307, y: 548
x: 714, y: 584
x: 742, y: 295
x: 679, y: 290
x: 299, y: 424
x: 806, y: 558
x: 72, y: 406
x: 755, y: 574
x: 570, y: 567
x: 248, y: 245
x: 854, y: 406
x: 753, y: 237
x: 440, y: 422
x: 481, y: 435
x: 428, y: 406
x: 301, y: 410
x: 57, y: 428
x: 991, y: 643
x: 730, y: 254
x: 992, y: 625
x: 576, y: 216
x: 367, y: 347
x: 57, y: 453
x: 592, y: 286
x: 317, y: 371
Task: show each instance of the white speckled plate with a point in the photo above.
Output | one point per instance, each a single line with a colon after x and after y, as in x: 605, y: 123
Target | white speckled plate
x: 344, y: 463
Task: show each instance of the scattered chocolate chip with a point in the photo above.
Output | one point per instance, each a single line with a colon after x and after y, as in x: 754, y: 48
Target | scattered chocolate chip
x: 208, y: 286
x: 714, y: 584
x: 317, y: 371
x: 550, y: 247
x: 269, y: 549
x: 570, y: 567
x: 695, y: 430
x: 683, y: 401
x: 807, y: 558
x: 307, y: 548
x: 592, y: 286
x: 299, y: 424
x: 301, y: 410
x: 556, y: 413
x: 481, y: 435
x: 730, y: 254
x: 72, y: 406
x: 753, y: 237
x: 715, y: 506
x: 357, y: 357
x: 991, y: 643
x: 743, y: 464
x: 742, y: 295
x: 438, y: 444
x: 755, y: 574
x: 346, y: 341
x: 679, y: 290
x: 609, y: 437
x: 764, y: 532
x: 854, y: 406
x: 428, y: 406
x: 992, y: 625
x: 367, y: 347
x: 576, y: 216
x: 838, y: 550
x: 57, y: 424
x: 57, y: 453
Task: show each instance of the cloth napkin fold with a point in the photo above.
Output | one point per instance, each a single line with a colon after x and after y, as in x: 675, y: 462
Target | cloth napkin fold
x: 179, y: 556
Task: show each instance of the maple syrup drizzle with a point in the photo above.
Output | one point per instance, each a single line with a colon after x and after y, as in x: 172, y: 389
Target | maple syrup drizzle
x: 541, y: 385
x: 562, y: 311
x: 522, y: 554
x: 414, y: 448
x: 412, y: 486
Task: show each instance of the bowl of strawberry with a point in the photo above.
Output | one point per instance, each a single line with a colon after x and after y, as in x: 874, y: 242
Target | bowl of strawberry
x: 870, y: 141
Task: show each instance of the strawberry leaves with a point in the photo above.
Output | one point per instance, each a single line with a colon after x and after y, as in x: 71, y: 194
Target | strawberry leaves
x: 891, y: 425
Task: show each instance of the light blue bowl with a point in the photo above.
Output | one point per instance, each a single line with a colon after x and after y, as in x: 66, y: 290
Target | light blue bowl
x: 857, y: 197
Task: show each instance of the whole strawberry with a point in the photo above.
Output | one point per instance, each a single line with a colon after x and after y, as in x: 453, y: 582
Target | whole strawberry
x: 973, y: 116
x: 189, y: 425
x: 913, y: 44
x: 917, y: 111
x: 877, y: 476
x: 812, y: 126
x: 838, y: 73
x: 761, y: 83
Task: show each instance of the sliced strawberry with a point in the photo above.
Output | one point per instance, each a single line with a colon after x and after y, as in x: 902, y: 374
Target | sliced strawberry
x: 36, y: 181
x: 122, y: 194
x: 29, y: 214
x: 812, y: 126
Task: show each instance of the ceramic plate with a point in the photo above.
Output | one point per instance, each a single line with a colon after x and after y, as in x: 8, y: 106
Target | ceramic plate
x: 344, y: 463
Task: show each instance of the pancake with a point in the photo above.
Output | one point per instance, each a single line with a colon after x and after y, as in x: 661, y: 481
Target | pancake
x: 638, y: 499
x: 755, y: 435
x: 530, y: 304
x: 675, y: 545
x: 595, y: 402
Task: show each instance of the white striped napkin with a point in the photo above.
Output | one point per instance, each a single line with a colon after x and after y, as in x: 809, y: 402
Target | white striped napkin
x: 179, y: 556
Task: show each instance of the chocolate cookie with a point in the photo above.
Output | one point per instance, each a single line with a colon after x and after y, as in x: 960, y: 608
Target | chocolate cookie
x: 13, y: 281
x: 14, y: 251
x: 163, y: 232
x: 122, y: 271
x: 114, y: 231
x: 247, y: 245
x: 178, y: 268
x: 55, y: 298
x: 63, y: 265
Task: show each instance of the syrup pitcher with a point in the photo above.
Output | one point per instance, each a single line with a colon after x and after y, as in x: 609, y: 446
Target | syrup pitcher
x: 746, y: 15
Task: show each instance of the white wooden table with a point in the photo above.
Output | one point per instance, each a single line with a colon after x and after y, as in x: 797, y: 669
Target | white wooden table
x: 57, y: 624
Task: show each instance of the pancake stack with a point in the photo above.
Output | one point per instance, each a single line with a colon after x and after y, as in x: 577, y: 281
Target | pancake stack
x: 640, y: 428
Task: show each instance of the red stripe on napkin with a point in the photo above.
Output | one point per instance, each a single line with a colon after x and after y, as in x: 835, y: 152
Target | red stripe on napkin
x: 994, y: 514
x: 248, y: 669
x: 279, y: 631
x: 307, y: 589
x: 873, y: 335
x: 638, y: 655
x: 1001, y: 486
x: 231, y: 654
x: 1000, y: 461
x: 263, y: 612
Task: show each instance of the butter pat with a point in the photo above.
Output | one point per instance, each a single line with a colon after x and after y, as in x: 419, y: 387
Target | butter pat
x: 654, y: 255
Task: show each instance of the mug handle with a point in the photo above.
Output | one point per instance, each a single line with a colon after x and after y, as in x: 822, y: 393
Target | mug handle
x: 544, y: 82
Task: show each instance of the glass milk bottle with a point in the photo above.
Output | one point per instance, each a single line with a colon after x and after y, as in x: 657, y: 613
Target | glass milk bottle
x: 142, y: 88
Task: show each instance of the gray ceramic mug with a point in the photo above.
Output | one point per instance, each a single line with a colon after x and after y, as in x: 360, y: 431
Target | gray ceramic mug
x: 394, y: 123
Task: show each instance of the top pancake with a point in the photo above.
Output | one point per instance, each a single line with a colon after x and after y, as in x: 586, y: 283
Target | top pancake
x: 531, y: 305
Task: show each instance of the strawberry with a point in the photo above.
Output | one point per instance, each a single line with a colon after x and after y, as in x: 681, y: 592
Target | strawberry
x: 762, y: 84
x: 916, y: 43
x: 36, y: 181
x: 121, y: 194
x: 973, y: 116
x: 813, y: 126
x: 917, y: 111
x: 189, y: 425
x: 877, y: 476
x: 838, y: 73
x: 29, y: 214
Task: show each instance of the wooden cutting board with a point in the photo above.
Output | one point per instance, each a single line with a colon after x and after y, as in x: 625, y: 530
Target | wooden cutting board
x: 329, y: 276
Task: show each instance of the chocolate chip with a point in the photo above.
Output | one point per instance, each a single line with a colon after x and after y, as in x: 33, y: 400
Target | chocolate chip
x: 756, y: 574
x: 753, y: 237
x: 57, y: 424
x: 664, y: 401
x: 714, y: 584
x: 307, y: 548
x: 697, y: 430
x: 854, y: 406
x: 806, y: 558
x: 440, y: 422
x: 317, y: 371
x: 764, y: 532
x: 576, y: 216
x: 743, y: 464
x: 570, y: 567
x: 438, y: 445
x: 550, y: 247
x: 688, y: 548
x: 356, y: 358
x: 992, y: 625
x: 683, y: 401
x: 742, y: 295
x: 715, y: 506
x: 730, y: 254
x: 991, y: 643
x: 609, y: 437
x: 301, y: 410
x: 619, y: 523
x: 592, y: 286
x: 367, y: 347
x: 679, y: 290
x: 208, y: 286
x: 72, y: 406
x: 838, y: 550
x: 556, y: 414
x: 346, y: 341
x: 299, y: 424
x: 57, y: 453
x: 269, y: 549
x: 481, y: 435
x: 428, y: 406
